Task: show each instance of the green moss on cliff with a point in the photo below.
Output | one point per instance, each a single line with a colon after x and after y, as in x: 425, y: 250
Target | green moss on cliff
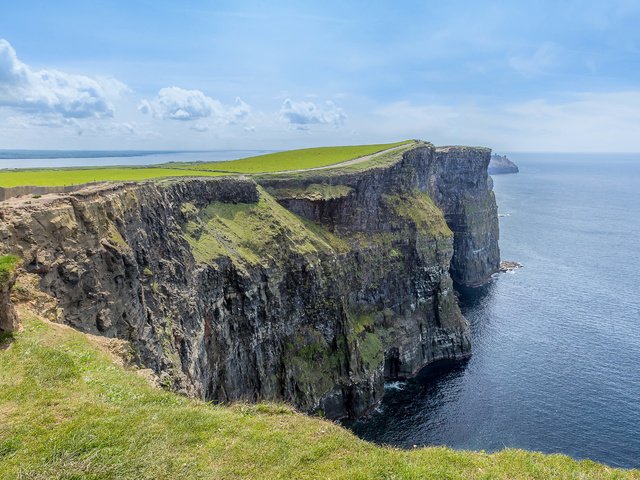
x: 253, y: 233
x: 312, y: 362
x: 115, y: 236
x: 371, y: 351
x: 8, y: 264
x: 69, y: 412
x: 418, y: 208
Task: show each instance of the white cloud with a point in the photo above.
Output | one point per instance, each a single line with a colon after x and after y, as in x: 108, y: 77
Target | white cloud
x: 303, y: 113
x: 175, y: 103
x: 580, y: 122
x: 53, y: 93
x: 239, y: 111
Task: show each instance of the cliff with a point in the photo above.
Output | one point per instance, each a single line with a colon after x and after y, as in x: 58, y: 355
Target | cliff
x: 309, y: 288
x: 501, y: 164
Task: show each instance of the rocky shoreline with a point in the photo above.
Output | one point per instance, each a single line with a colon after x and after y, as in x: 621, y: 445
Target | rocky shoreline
x: 509, y: 266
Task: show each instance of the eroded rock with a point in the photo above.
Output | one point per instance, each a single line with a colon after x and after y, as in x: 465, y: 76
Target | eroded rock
x: 231, y: 290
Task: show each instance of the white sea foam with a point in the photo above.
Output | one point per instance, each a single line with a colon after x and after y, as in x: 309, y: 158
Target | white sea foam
x: 394, y: 386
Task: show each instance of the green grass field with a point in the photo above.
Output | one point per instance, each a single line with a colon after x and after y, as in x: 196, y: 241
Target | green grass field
x: 69, y: 412
x: 273, y: 162
x: 75, y: 176
x: 296, y: 159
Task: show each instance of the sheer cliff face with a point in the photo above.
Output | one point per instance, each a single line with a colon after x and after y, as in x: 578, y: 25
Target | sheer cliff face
x: 310, y: 289
x: 460, y: 186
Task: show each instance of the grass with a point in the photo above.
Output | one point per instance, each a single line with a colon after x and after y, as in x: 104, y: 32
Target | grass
x: 248, y: 232
x: 69, y: 412
x: 418, y: 208
x: 76, y: 176
x: 273, y: 162
x: 382, y: 160
x: 8, y: 263
x: 296, y: 159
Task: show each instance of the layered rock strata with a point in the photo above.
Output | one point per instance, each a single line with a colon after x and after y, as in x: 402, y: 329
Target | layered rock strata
x: 310, y: 288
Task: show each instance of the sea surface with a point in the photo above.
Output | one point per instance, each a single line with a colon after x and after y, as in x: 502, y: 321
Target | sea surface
x: 103, y: 158
x: 556, y: 344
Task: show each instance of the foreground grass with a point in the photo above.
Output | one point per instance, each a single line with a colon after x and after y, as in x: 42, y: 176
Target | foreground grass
x: 273, y: 162
x: 68, y: 411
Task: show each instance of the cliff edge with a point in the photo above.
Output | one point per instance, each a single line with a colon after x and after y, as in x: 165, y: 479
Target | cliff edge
x: 310, y: 288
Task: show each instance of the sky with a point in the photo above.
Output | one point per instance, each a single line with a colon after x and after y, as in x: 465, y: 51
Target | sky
x: 541, y: 76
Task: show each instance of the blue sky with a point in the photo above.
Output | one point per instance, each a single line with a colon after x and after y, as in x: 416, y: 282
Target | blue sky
x: 515, y: 76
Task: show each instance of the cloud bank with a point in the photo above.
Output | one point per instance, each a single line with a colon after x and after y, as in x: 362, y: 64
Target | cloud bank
x: 175, y: 103
x: 308, y: 113
x: 53, y: 93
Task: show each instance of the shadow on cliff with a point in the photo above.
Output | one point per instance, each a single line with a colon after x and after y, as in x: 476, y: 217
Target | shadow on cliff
x: 6, y: 339
x: 473, y: 297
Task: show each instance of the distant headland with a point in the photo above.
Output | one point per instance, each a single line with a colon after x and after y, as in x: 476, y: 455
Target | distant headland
x: 500, y: 164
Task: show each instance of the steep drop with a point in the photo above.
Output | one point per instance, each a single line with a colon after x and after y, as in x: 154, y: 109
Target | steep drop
x: 309, y: 288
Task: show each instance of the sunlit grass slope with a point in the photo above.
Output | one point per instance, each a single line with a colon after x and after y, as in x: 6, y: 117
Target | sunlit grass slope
x: 273, y: 162
x: 296, y: 159
x: 75, y: 176
x: 67, y: 411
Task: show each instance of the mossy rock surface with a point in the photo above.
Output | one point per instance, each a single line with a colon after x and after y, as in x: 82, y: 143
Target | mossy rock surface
x: 8, y: 265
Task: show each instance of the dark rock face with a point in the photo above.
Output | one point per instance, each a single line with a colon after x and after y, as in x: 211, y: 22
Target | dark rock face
x: 310, y: 289
x: 462, y: 189
x: 8, y: 318
x: 500, y: 164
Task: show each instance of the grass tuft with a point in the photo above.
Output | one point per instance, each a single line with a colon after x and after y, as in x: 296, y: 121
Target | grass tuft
x: 8, y: 264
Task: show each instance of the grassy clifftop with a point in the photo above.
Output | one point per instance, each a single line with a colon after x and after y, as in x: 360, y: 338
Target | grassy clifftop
x: 308, y: 158
x: 69, y: 411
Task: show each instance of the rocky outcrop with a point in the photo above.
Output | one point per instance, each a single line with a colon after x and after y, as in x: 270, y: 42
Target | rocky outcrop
x: 310, y: 288
x: 8, y: 317
x: 500, y: 164
x: 462, y: 189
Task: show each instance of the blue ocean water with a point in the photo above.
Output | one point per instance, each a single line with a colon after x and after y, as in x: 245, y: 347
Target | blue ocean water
x: 103, y: 158
x: 556, y: 344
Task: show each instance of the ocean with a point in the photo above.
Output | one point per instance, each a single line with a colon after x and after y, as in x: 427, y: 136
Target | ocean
x: 556, y: 344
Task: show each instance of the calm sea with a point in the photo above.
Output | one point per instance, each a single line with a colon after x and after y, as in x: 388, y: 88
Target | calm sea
x: 556, y: 362
x: 103, y: 158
